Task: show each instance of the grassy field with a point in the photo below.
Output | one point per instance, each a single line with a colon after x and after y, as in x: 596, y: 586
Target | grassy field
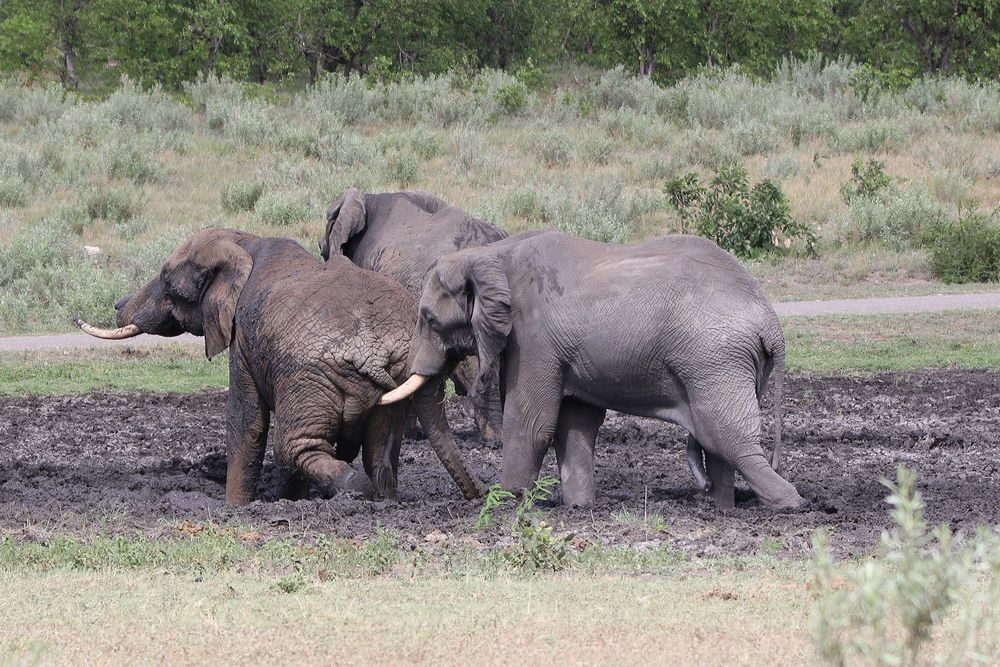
x: 587, y: 152
x: 849, y: 344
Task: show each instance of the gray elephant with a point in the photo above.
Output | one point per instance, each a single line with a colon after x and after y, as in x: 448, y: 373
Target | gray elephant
x: 401, y: 235
x: 673, y: 328
x: 315, y: 343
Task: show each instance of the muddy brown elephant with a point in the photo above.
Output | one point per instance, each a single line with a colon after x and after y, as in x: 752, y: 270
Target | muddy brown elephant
x: 316, y: 344
x: 401, y: 235
x: 673, y: 328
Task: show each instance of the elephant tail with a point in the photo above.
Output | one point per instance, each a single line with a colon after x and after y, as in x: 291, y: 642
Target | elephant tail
x: 774, y: 345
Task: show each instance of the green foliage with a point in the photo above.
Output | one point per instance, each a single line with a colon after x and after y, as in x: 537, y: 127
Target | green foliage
x: 966, y: 250
x: 866, y: 182
x: 887, y: 610
x: 237, y: 197
x: 290, y: 583
x: 379, y: 554
x: 495, y: 498
x: 742, y: 220
x: 536, y: 547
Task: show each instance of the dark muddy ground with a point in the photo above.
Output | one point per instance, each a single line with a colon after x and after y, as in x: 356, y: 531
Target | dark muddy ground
x: 117, y: 462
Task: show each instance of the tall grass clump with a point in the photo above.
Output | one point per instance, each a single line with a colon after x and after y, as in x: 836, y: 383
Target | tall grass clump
x: 930, y: 596
x: 336, y: 99
x: 236, y: 197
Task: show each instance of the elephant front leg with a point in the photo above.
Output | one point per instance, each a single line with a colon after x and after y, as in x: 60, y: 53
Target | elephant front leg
x: 247, y: 423
x: 528, y: 429
x: 576, y: 432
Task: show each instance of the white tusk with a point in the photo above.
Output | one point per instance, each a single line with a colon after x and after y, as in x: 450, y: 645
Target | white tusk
x: 108, y: 334
x: 404, y: 390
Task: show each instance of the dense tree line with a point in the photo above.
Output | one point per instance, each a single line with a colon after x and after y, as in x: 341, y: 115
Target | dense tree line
x: 91, y: 42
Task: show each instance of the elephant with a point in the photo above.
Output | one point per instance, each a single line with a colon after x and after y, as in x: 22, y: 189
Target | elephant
x: 400, y: 235
x: 673, y: 328
x: 316, y: 344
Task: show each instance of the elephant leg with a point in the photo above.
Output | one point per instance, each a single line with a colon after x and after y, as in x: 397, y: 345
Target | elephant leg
x: 380, y: 451
x: 696, y: 461
x: 722, y: 480
x: 728, y: 427
x: 305, y: 442
x: 247, y: 423
x: 483, y: 395
x: 576, y: 432
x: 529, y: 425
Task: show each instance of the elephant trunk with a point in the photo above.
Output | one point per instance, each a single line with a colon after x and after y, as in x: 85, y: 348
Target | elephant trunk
x: 127, y: 331
x: 404, y: 390
x: 429, y: 404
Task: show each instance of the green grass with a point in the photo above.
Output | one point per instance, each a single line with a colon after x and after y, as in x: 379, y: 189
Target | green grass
x: 865, y: 344
x: 176, y: 368
x: 223, y: 591
x: 827, y: 344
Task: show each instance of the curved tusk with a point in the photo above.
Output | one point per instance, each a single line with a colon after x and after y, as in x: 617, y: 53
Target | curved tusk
x: 108, y: 334
x: 404, y: 390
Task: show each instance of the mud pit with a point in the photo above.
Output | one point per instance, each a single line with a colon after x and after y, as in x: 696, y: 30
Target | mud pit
x: 125, y: 462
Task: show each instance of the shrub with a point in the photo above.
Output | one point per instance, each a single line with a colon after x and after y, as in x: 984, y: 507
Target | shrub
x: 348, y: 100
x: 536, y: 545
x: 113, y: 204
x: 866, y: 182
x: 402, y: 168
x: 887, y: 611
x: 554, y: 148
x: 746, y: 222
x: 237, y: 197
x: 281, y: 210
x: 13, y: 190
x: 127, y: 162
x: 891, y: 218
x: 966, y: 250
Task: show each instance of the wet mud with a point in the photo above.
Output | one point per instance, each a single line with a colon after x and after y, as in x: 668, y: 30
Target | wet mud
x: 147, y: 463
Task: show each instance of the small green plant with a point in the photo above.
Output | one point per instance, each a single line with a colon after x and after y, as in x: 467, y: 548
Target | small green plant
x: 866, y: 181
x: 537, y: 546
x: 744, y: 221
x: 496, y: 497
x: 291, y: 583
x: 511, y: 97
x: 886, y: 611
x: 379, y: 554
x: 966, y: 250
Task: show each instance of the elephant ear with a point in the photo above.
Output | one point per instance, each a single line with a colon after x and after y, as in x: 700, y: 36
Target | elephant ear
x: 226, y: 269
x: 490, y: 320
x: 343, y: 220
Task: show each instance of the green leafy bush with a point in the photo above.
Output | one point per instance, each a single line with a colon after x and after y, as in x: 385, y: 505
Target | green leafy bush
x: 966, y: 250
x: 866, y: 182
x: 888, y: 610
x: 742, y: 220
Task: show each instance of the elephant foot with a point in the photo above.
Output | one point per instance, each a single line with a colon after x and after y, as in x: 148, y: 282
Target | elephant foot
x: 722, y: 479
x: 295, y: 486
x: 337, y: 477
x: 789, y: 501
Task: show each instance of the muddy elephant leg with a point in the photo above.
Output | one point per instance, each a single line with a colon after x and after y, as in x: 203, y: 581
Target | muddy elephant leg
x: 529, y: 425
x: 483, y: 396
x: 383, y: 436
x: 576, y: 432
x: 247, y: 422
x: 696, y: 462
x: 727, y: 425
x: 722, y: 479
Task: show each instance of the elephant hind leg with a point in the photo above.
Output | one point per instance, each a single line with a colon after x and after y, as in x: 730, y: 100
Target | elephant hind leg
x: 729, y: 430
x: 576, y: 432
x: 383, y: 437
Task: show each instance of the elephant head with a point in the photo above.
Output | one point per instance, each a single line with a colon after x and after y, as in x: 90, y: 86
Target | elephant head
x: 196, y: 292
x: 464, y: 310
x: 346, y: 218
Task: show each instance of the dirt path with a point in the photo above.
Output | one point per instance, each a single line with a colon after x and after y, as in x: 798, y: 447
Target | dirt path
x: 894, y: 304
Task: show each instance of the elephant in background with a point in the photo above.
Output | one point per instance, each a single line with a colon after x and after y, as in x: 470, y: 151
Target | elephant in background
x: 401, y: 235
x: 673, y: 328
x: 315, y: 343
